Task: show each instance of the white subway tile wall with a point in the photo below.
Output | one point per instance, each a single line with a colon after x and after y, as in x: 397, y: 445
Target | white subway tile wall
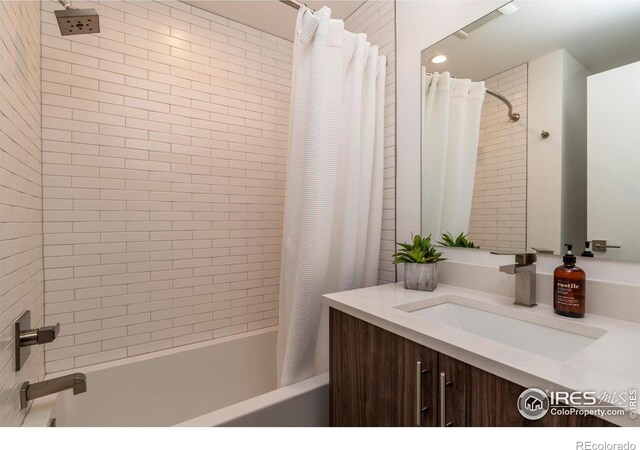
x: 21, y: 274
x: 376, y: 18
x: 498, y: 212
x: 164, y: 148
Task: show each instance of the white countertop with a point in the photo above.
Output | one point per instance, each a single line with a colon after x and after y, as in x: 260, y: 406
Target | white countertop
x: 610, y: 364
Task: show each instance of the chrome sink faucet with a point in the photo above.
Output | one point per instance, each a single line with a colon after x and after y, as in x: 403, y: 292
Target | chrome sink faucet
x: 525, y: 271
x: 31, y: 391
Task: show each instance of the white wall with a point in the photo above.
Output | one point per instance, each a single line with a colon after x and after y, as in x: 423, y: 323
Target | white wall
x: 544, y: 156
x: 21, y: 276
x: 574, y: 157
x: 557, y: 182
x: 164, y: 147
x: 614, y: 160
x: 420, y: 24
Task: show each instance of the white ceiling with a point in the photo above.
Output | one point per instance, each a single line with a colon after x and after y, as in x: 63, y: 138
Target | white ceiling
x: 272, y: 16
x: 601, y: 34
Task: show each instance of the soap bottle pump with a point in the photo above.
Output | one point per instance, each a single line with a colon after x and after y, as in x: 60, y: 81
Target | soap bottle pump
x: 587, y: 253
x: 569, y: 287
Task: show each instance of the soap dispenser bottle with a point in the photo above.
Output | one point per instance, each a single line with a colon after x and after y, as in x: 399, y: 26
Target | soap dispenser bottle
x: 587, y: 253
x: 569, y: 287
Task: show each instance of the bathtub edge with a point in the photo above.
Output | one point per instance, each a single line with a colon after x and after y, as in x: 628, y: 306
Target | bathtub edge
x: 231, y: 412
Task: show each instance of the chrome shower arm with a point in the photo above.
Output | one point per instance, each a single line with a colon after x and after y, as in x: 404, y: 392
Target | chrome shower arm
x: 513, y: 117
x: 66, y: 4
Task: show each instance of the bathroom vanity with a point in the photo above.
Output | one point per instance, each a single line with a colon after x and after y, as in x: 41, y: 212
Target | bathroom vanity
x: 458, y: 357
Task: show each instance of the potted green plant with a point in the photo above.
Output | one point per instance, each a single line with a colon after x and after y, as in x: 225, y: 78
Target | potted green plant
x: 461, y: 241
x: 420, y: 260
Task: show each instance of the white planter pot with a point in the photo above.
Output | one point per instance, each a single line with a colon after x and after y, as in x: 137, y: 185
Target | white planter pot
x: 421, y: 277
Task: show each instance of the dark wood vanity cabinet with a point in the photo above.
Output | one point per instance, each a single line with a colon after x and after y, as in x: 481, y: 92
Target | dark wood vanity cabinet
x: 378, y: 378
x: 374, y: 376
x: 363, y: 372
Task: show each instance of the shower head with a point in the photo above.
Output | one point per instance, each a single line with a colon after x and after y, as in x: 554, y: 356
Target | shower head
x: 77, y: 21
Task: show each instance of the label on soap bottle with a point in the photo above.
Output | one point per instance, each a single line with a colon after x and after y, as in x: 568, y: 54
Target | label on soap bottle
x: 569, y: 297
x: 568, y: 294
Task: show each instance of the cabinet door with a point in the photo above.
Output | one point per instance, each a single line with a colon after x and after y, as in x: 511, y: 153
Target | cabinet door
x: 416, y: 385
x: 487, y: 400
x: 492, y: 401
x: 362, y: 369
x: 472, y: 397
x: 378, y: 378
x: 453, y: 389
x: 504, y: 410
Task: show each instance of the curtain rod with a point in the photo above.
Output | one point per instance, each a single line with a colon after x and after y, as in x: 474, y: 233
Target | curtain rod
x: 295, y: 4
x: 513, y: 117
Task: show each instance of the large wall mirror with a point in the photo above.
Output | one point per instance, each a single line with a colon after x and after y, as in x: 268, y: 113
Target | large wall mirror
x: 531, y: 129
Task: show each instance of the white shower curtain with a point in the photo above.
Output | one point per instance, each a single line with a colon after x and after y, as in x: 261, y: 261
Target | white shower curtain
x: 333, y: 198
x: 451, y: 110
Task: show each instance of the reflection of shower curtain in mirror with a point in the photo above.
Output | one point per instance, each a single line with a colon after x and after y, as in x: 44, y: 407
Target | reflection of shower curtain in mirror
x: 451, y: 110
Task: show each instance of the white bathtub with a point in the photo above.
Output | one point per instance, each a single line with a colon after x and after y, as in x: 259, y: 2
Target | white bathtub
x: 228, y: 382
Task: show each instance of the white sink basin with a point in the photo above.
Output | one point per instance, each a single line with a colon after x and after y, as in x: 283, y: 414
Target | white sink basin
x: 511, y: 326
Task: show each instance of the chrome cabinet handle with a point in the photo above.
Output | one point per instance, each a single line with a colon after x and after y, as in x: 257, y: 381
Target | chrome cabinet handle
x: 419, y: 408
x: 443, y: 400
x: 419, y: 393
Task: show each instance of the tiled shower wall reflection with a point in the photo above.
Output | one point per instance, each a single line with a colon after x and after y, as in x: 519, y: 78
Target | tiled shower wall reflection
x: 21, y: 277
x: 164, y: 147
x: 498, y: 211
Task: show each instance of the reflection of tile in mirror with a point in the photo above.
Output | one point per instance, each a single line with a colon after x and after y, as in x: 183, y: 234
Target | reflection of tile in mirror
x: 498, y: 211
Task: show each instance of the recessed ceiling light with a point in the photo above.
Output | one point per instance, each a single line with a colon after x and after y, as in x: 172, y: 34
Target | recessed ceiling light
x: 439, y: 59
